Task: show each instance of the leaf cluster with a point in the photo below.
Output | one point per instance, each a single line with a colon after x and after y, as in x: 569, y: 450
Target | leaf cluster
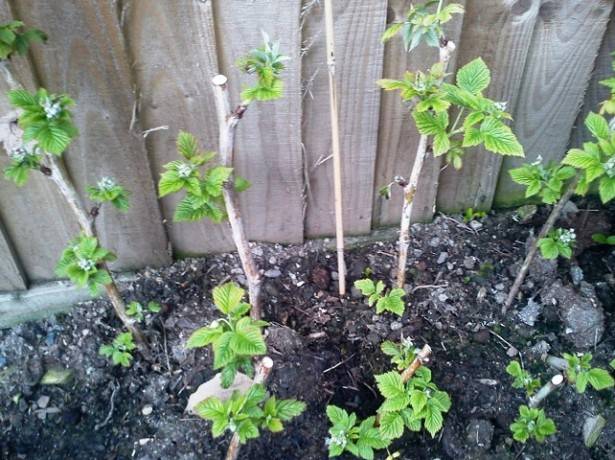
x: 522, y: 378
x: 16, y: 38
x: 82, y: 262
x: 107, y: 190
x: 120, y: 350
x: 235, y: 339
x: 401, y: 354
x: 203, y: 188
x: 247, y: 413
x: 532, y: 423
x: 385, y: 301
x: 267, y: 63
x: 347, y: 433
x: 546, y: 182
x: 423, y: 24
x: 580, y: 373
x: 23, y: 160
x: 137, y: 311
x: 479, y: 120
x: 558, y: 242
x: 596, y: 160
x: 608, y: 106
x: 413, y: 405
x: 601, y: 238
x: 45, y: 119
x: 470, y: 214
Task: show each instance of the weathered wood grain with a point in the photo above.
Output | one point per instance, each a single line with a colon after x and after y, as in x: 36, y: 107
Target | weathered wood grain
x: 86, y: 57
x: 564, y: 47
x: 36, y: 221
x: 398, y: 137
x: 268, y: 144
x: 596, y: 93
x: 359, y: 52
x: 173, y: 50
x: 501, y: 34
x: 11, y: 274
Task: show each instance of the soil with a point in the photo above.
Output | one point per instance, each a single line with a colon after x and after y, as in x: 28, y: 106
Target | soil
x: 326, y: 351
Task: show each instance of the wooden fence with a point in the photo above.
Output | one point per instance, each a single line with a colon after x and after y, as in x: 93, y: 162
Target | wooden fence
x: 137, y: 65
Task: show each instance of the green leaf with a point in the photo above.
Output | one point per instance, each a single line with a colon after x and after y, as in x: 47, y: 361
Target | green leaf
x: 336, y: 415
x: 598, y: 126
x: 391, y: 31
x: 366, y: 286
x: 210, y: 409
x: 548, y: 248
x: 433, y: 421
x: 204, y: 336
x: 289, y: 408
x: 430, y: 124
x: 227, y: 297
x: 390, y: 384
x: 391, y: 425
x: 474, y: 76
x: 581, y: 159
x: 499, y: 138
x: 607, y: 189
x: 187, y: 145
x: 247, y: 339
x: 600, y: 379
x: 223, y: 354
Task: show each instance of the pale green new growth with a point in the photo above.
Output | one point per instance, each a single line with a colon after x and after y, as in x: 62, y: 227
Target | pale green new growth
x: 479, y: 120
x: 245, y: 414
x: 608, y: 106
x: 120, y: 350
x: 412, y: 405
x: 522, y: 378
x: 82, y: 263
x: 601, y: 238
x: 385, y: 301
x: 470, y: 214
x: 45, y: 119
x: 107, y: 190
x: 360, y: 438
x: 23, y: 160
x: 203, y: 187
x: 532, y: 423
x: 580, y: 373
x: 558, y: 242
x: 545, y: 181
x: 235, y: 339
x: 267, y: 63
x: 422, y: 24
x: 596, y: 160
x: 15, y: 38
x: 137, y: 311
x: 401, y: 354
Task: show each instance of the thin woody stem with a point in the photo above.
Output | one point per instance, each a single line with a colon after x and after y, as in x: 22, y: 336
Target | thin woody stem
x: 262, y: 374
x: 531, y: 253
x: 546, y: 390
x: 228, y: 121
x: 446, y: 50
x: 11, y: 138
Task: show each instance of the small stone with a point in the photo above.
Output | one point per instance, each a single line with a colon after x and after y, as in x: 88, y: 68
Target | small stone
x: 512, y: 352
x: 592, y: 428
x: 469, y: 262
x: 539, y: 350
x: 576, y: 274
x: 442, y: 297
x: 499, y: 287
x: 335, y: 276
x: 442, y: 258
x: 530, y: 313
x: 272, y: 260
x: 273, y: 273
x: 479, y: 434
x: 355, y: 293
x: 43, y: 401
x: 396, y: 326
x: 500, y: 298
x: 147, y: 410
x: 257, y: 251
x: 476, y: 225
x: 434, y: 242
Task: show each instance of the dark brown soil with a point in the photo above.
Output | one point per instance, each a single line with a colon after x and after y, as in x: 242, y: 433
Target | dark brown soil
x: 455, y: 308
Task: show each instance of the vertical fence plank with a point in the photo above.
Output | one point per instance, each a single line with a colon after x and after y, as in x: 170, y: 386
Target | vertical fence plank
x: 36, y: 221
x: 11, y: 275
x: 268, y: 145
x: 596, y: 93
x: 398, y: 138
x: 501, y: 34
x: 86, y: 57
x: 566, y: 41
x: 173, y: 48
x: 359, y: 54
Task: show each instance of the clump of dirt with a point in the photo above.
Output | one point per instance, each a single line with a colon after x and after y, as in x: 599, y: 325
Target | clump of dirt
x: 325, y: 349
